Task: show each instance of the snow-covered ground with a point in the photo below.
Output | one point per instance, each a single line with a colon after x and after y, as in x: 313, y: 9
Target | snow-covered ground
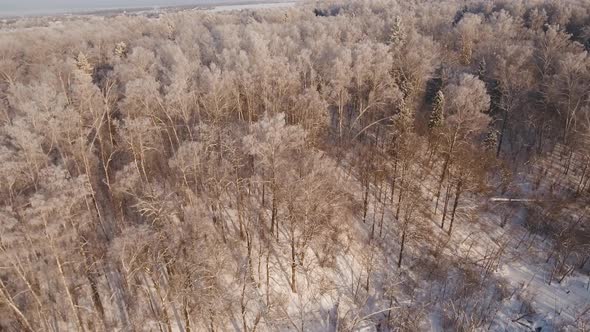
x: 488, y: 237
x: 533, y: 303
x: 492, y: 273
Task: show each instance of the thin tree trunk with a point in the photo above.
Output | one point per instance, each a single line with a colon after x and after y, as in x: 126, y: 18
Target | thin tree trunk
x: 243, y: 306
x: 249, y: 251
x: 366, y: 201
x: 569, y: 162
x: 444, y: 169
x: 267, y: 277
x: 275, y: 213
x: 340, y: 115
x: 393, y: 180
x: 62, y: 274
x: 163, y: 305
x: 389, y: 311
x: 446, y: 205
x: 293, y: 263
x: 21, y: 272
x: 114, y: 280
x: 68, y: 292
x: 274, y: 210
x: 369, y: 270
x: 164, y: 272
x: 8, y: 299
x: 187, y: 321
x: 375, y: 209
x: 566, y: 274
x: 579, y: 188
x: 239, y: 208
x: 400, y: 194
x: 584, y: 262
x: 502, y: 132
x: 91, y: 276
x: 457, y: 196
x: 540, y: 145
x: 263, y: 192
x: 259, y: 265
x: 382, y: 214
x: 401, y: 249
x: 154, y: 307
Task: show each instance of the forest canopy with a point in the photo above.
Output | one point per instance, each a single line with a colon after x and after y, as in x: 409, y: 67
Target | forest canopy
x: 313, y: 168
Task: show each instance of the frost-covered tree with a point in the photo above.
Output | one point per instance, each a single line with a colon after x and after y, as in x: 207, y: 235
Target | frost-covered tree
x: 571, y: 91
x: 491, y: 140
x: 83, y: 63
x: 262, y: 169
x: 514, y: 75
x: 467, y: 101
x: 437, y: 114
x: 121, y: 49
x: 398, y: 34
x: 273, y: 143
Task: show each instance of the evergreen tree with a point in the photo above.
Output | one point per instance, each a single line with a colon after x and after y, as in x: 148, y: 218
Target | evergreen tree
x: 121, y: 49
x: 436, y: 116
x: 407, y: 87
x: 398, y: 34
x: 405, y: 120
x: 83, y: 64
x: 490, y: 143
x: 481, y: 70
x: 466, y: 52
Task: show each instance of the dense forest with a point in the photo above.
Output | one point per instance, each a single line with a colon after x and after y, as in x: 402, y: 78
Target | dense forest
x: 406, y: 165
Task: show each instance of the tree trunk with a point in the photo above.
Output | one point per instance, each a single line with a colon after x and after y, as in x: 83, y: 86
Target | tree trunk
x: 187, y: 321
x: 432, y: 148
x: 340, y: 115
x: 239, y: 208
x: 382, y: 214
x: 71, y: 300
x: 579, y: 188
x: 393, y: 180
x: 243, y: 306
x: 570, y: 270
x: 457, y: 196
x: 376, y: 207
x: 401, y: 249
x: 163, y: 305
x: 502, y: 132
x: 91, y: 276
x: 540, y: 141
x: 366, y: 200
x: 276, y: 214
x: 114, y: 280
x: 400, y: 194
x: 263, y: 191
x: 446, y: 205
x: 368, y: 281
x: 445, y: 168
x: 273, y: 215
x: 584, y: 262
x: 259, y: 265
x: 21, y: 272
x: 68, y: 292
x: 267, y: 277
x: 19, y: 314
x: 153, y: 304
x: 293, y: 264
x: 249, y: 251
x: 569, y: 162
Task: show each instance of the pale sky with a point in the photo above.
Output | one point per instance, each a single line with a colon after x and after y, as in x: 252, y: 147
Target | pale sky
x: 18, y: 7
